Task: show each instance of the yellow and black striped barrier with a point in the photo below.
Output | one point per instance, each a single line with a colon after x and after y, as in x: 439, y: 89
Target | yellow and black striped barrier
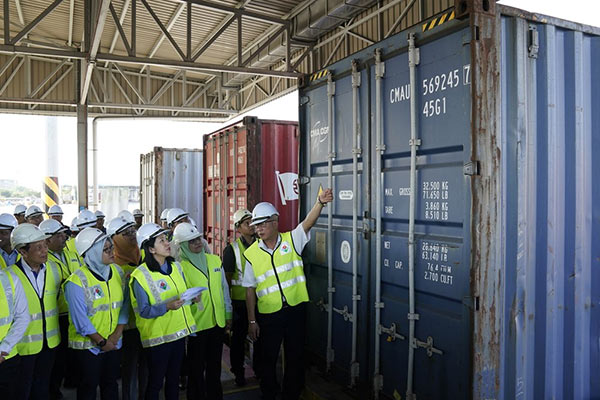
x: 51, y: 192
x: 318, y: 75
x: 449, y: 16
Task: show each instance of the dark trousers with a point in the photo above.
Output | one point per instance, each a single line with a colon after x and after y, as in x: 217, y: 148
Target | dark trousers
x: 288, y: 326
x: 164, y: 364
x: 60, y: 361
x: 102, y: 370
x: 34, y: 375
x: 134, y: 368
x: 9, y: 375
x: 204, y: 359
x: 239, y: 330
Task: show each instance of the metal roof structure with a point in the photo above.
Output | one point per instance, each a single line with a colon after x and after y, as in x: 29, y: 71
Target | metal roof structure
x: 202, y: 59
x: 177, y: 58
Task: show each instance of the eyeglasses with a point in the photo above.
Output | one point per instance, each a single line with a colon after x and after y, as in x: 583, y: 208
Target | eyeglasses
x: 109, y: 249
x: 264, y: 223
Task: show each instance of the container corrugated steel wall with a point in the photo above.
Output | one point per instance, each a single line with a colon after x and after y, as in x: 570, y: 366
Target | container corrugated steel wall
x: 507, y: 219
x: 551, y: 225
x: 172, y: 178
x: 247, y: 162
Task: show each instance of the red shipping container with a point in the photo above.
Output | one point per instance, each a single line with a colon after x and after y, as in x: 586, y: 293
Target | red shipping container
x: 245, y: 163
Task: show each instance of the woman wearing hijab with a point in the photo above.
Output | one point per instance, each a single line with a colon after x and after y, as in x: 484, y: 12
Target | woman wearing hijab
x: 95, y: 294
x: 160, y: 315
x: 134, y: 372
x: 212, y: 314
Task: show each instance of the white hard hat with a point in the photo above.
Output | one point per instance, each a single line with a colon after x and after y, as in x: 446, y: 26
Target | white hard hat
x: 100, y: 214
x: 241, y: 215
x: 117, y: 225
x: 163, y: 214
x: 175, y: 214
x: 24, y: 234
x: 55, y: 210
x: 20, y: 209
x: 52, y: 226
x: 262, y: 212
x: 126, y: 215
x: 185, y: 232
x: 87, y: 238
x: 148, y: 231
x: 33, y: 210
x: 138, y: 213
x: 74, y: 227
x: 86, y: 218
x: 8, y: 221
x: 192, y: 221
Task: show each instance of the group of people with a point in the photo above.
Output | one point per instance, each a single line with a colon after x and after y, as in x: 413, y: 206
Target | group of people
x: 86, y: 303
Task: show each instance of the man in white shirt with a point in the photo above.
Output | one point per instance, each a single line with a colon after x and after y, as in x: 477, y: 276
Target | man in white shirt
x: 274, y: 275
x: 13, y: 303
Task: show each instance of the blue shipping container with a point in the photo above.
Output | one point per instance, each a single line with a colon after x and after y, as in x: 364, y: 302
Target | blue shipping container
x: 503, y: 113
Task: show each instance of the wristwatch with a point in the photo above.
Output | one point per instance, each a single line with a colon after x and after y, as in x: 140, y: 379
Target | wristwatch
x: 252, y: 321
x: 101, y: 343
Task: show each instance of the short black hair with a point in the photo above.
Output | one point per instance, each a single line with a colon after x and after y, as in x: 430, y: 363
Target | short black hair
x: 149, y: 259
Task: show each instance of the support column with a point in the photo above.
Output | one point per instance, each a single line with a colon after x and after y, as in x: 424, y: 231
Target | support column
x: 82, y: 145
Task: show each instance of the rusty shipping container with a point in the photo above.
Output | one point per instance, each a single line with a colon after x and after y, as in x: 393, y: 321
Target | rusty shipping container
x: 171, y: 178
x: 248, y: 162
x: 461, y: 255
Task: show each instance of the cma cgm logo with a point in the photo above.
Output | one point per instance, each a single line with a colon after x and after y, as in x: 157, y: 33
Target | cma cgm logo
x: 319, y: 132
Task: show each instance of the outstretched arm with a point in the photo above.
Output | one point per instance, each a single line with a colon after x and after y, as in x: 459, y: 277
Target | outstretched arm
x: 325, y: 197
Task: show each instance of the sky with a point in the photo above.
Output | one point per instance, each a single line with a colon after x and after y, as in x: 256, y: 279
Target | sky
x: 120, y: 142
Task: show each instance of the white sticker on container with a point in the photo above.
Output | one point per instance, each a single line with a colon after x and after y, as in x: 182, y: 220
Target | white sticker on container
x: 346, y: 195
x: 345, y: 251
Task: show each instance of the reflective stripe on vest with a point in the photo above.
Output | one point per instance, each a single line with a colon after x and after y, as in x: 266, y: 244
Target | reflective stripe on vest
x: 211, y: 310
x: 239, y: 269
x: 279, y: 276
x: 161, y: 289
x: 32, y: 341
x: 7, y: 312
x: 103, y: 302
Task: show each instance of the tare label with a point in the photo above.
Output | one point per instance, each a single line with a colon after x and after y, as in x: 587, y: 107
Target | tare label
x: 437, y: 266
x: 436, y: 200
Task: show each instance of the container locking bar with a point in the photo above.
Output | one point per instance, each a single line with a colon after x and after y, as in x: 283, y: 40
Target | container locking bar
x: 428, y: 345
x: 344, y: 313
x: 391, y: 332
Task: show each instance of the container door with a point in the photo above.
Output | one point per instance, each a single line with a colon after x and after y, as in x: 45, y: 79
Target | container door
x: 442, y: 220
x: 334, y: 342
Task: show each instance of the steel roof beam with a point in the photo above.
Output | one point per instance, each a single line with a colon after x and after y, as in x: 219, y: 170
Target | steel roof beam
x: 6, y: 22
x: 201, y: 67
x: 94, y: 45
x: 34, y: 23
x: 163, y: 108
x: 214, y: 36
x: 120, y: 30
x: 264, y: 45
x: 71, y: 16
x: 113, y: 43
x: 164, y: 30
x: 238, y: 11
x: 162, y: 36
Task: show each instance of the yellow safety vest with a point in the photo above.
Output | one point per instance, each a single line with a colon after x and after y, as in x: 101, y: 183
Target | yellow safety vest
x: 238, y: 292
x: 278, y: 276
x: 103, y: 301
x: 3, y: 263
x: 66, y: 268
x: 212, y: 310
x: 161, y: 289
x: 7, y: 311
x: 43, y: 312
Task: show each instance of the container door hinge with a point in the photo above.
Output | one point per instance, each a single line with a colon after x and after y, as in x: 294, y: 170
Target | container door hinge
x: 354, y: 370
x: 379, y: 65
x: 471, y: 168
x: 414, y: 56
x: 330, y: 356
x: 355, y: 74
x: 304, y: 180
x: 412, y: 317
x: 330, y: 86
x: 321, y: 305
x: 368, y: 225
x: 378, y: 383
x: 534, y: 42
x: 428, y: 345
